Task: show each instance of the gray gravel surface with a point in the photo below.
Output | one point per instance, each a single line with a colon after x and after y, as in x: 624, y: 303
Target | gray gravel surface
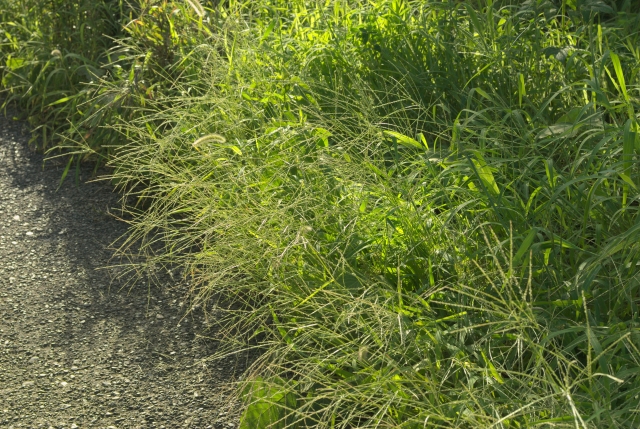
x: 77, y: 349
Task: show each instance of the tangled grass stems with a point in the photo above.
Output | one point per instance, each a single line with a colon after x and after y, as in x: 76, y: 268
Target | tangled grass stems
x: 425, y: 214
x: 349, y: 240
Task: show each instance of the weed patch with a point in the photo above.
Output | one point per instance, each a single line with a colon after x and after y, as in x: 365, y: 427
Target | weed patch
x: 426, y: 213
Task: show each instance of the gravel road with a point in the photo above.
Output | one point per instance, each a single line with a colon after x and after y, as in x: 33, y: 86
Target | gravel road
x: 77, y: 349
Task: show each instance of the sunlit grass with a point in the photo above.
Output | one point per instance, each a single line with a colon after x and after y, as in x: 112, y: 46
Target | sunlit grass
x: 424, y: 213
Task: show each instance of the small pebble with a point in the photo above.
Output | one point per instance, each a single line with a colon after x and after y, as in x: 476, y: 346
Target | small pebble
x: 28, y: 383
x: 159, y: 316
x: 33, y: 360
x: 16, y: 217
x: 29, y: 233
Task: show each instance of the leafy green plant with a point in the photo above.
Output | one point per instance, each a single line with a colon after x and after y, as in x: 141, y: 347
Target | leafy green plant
x: 416, y: 224
x: 424, y: 214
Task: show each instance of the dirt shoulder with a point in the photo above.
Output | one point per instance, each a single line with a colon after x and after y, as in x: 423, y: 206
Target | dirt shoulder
x: 77, y: 348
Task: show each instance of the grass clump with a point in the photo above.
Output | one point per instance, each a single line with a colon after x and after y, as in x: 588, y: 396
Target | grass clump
x: 414, y: 202
x: 425, y: 213
x: 75, y: 67
x: 49, y: 52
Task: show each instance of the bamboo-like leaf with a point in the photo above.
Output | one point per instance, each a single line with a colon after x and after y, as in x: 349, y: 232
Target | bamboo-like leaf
x: 60, y: 101
x: 492, y: 369
x: 485, y: 174
x: 521, y: 88
x: 526, y: 244
x: 618, y: 69
x: 628, y: 148
x: 404, y: 140
x: 269, y: 29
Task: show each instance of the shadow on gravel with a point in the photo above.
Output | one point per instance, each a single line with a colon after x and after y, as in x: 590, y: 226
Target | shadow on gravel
x: 78, y: 347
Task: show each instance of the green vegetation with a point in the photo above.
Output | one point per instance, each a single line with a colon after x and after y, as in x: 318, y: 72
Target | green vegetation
x: 425, y: 213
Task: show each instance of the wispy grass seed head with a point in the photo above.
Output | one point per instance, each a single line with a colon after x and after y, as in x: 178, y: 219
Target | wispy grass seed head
x: 209, y: 137
x: 197, y: 7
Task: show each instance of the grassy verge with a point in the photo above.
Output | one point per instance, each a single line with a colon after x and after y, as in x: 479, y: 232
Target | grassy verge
x: 425, y: 213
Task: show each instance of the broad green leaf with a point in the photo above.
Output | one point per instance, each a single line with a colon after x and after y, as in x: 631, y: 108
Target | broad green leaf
x: 269, y: 29
x: 521, y: 88
x: 526, y: 244
x: 485, y: 174
x: 377, y: 171
x: 324, y: 135
x: 628, y: 147
x: 572, y: 116
x: 531, y: 199
x: 423, y: 139
x: 404, y: 140
x: 14, y: 63
x: 621, y: 82
x: 549, y: 244
x: 455, y: 132
x: 269, y: 405
x: 60, y: 101
x: 474, y: 18
x: 492, y: 368
x: 483, y: 93
x: 152, y: 134
x: 627, y: 180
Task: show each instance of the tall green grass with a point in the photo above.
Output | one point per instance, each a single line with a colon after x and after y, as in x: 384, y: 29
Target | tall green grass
x: 424, y: 214
x: 50, y: 51
x: 61, y: 60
